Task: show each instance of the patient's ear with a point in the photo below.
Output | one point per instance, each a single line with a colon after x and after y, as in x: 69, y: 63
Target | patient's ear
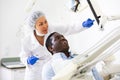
x: 50, y: 49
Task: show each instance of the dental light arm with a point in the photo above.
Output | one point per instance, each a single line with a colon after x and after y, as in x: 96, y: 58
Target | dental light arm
x: 110, y: 51
x: 98, y: 48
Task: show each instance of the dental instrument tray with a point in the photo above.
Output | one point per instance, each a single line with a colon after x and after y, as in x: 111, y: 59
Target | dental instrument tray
x: 12, y: 63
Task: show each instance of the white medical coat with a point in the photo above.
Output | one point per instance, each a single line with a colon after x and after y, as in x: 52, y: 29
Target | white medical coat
x: 30, y: 46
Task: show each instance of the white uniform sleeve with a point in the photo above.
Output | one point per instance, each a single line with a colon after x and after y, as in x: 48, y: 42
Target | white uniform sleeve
x: 67, y: 29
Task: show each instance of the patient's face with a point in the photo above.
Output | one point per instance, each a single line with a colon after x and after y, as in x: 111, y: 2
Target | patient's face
x: 59, y: 43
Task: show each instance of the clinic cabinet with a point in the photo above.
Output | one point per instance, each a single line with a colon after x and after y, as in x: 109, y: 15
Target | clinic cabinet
x: 12, y: 74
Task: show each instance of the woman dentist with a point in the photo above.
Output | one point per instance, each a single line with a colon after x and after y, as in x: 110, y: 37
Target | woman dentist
x: 33, y: 51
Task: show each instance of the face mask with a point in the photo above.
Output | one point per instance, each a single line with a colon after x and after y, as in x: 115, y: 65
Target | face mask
x: 39, y: 34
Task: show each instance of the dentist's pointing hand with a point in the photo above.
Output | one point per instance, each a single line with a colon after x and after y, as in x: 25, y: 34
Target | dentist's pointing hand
x: 88, y: 23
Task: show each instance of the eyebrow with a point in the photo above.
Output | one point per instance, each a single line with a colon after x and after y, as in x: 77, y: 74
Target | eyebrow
x: 43, y: 21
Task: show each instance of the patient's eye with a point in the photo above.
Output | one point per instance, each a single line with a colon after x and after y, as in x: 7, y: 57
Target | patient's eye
x: 59, y: 37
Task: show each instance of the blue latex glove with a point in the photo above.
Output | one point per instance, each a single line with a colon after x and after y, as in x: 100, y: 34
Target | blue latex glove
x: 88, y: 23
x: 32, y: 60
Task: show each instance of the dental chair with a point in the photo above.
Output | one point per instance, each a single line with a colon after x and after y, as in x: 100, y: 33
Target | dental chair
x: 82, y: 66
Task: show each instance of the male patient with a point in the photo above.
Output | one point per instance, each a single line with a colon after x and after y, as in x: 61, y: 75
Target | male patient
x: 58, y: 46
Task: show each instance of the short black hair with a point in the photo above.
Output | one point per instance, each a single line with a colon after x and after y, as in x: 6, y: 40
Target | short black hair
x: 48, y: 43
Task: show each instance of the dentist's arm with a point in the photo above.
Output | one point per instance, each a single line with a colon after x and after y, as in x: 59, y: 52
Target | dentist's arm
x: 72, y: 28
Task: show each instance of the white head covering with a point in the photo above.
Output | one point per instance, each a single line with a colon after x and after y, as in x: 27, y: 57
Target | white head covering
x: 31, y: 21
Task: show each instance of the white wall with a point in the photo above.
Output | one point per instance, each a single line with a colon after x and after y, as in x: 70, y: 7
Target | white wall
x: 11, y: 17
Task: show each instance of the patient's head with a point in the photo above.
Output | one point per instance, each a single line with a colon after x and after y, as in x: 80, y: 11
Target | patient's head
x: 57, y: 43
